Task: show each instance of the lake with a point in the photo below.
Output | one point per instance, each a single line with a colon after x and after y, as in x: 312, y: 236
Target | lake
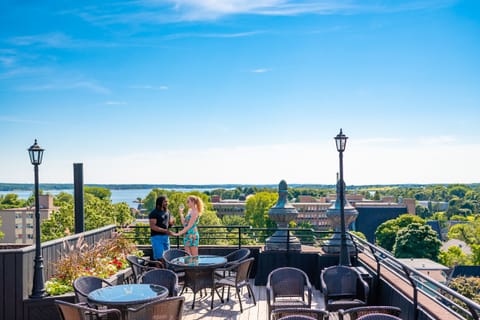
x: 118, y: 195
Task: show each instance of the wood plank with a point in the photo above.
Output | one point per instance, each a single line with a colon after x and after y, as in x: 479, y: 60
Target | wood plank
x: 231, y: 309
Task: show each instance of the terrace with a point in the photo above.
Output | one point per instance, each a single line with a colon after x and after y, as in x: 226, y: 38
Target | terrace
x: 391, y: 282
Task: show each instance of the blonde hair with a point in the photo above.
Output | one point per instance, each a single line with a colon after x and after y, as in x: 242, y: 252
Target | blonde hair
x: 198, y: 203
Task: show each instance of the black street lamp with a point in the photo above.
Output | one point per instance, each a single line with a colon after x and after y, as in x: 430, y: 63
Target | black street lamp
x: 38, y: 291
x: 341, y: 142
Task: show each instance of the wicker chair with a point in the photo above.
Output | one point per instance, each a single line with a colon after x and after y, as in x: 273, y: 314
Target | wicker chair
x: 242, y: 279
x: 164, y: 309
x: 355, y: 313
x: 86, y: 284
x: 379, y: 316
x: 139, y: 266
x: 232, y: 258
x: 163, y: 277
x: 283, y: 313
x: 171, y: 254
x: 286, y: 289
x: 343, y: 288
x: 71, y: 311
x: 297, y: 317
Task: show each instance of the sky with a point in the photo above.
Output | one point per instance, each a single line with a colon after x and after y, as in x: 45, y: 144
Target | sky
x: 247, y: 92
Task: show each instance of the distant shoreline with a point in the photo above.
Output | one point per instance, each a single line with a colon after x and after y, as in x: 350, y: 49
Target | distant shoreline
x: 63, y: 186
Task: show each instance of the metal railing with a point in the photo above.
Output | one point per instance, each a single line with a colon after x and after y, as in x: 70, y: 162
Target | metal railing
x: 460, y: 306
x: 239, y: 236
x: 235, y: 235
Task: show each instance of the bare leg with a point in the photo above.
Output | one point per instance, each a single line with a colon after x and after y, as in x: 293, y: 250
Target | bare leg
x: 194, y: 251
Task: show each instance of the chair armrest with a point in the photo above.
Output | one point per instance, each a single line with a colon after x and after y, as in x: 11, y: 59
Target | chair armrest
x: 309, y: 295
x: 366, y: 289
x: 324, y: 288
x: 269, y: 295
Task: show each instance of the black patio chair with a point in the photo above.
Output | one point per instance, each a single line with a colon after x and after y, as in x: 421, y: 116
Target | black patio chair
x: 242, y: 279
x: 71, y: 311
x: 343, y: 288
x: 232, y: 258
x: 85, y: 284
x: 379, y: 316
x: 164, y: 309
x: 171, y: 254
x: 288, y: 287
x: 288, y: 313
x: 139, y: 266
x: 355, y: 313
x: 163, y: 277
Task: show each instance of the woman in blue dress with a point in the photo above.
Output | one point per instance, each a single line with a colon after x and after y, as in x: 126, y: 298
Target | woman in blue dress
x: 190, y: 222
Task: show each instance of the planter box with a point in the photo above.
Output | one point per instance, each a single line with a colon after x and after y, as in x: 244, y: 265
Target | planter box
x: 45, y: 309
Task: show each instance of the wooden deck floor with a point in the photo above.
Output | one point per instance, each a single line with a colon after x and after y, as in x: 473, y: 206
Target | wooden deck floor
x: 231, y: 309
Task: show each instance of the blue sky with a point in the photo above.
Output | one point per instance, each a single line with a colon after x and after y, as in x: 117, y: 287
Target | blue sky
x: 197, y: 92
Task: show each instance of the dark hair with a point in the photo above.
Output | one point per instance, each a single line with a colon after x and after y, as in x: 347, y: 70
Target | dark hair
x: 159, y: 202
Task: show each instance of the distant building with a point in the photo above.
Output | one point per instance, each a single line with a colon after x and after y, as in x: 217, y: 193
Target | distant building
x: 430, y: 268
x: 228, y: 207
x: 457, y: 243
x: 18, y: 224
x: 313, y: 211
x: 371, y: 214
x: 464, y: 271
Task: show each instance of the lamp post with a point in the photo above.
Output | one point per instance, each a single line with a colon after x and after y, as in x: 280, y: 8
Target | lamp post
x: 38, y: 291
x: 341, y: 142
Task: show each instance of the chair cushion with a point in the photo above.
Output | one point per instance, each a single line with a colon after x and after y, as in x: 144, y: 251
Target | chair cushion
x: 337, y: 304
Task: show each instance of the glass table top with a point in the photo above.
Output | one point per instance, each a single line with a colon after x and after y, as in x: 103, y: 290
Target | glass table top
x: 199, y: 261
x: 127, y: 294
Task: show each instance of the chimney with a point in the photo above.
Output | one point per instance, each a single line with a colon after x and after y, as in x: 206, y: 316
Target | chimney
x: 46, y: 201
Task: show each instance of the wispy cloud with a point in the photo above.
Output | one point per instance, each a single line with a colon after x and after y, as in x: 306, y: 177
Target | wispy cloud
x: 379, y: 140
x: 7, y: 119
x: 149, y: 87
x: 22, y: 71
x: 115, y: 103
x: 168, y: 11
x: 260, y: 70
x: 212, y: 35
x: 88, y: 85
x: 437, y: 140
x: 56, y: 40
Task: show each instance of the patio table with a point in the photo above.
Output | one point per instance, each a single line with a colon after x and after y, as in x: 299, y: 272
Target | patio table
x: 200, y: 272
x: 127, y: 295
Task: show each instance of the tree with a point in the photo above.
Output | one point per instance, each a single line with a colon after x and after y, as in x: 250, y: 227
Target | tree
x: 1, y: 233
x: 101, y: 193
x: 417, y: 241
x: 11, y: 200
x: 99, y: 212
x: 467, y: 286
x: 458, y: 191
x: 422, y: 211
x: 454, y: 256
x: 465, y: 232
x: 256, y: 209
x: 62, y: 197
x: 475, y: 256
x: 386, y: 233
x: 234, y: 220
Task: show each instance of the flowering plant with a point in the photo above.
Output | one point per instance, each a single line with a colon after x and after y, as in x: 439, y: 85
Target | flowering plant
x: 102, y: 260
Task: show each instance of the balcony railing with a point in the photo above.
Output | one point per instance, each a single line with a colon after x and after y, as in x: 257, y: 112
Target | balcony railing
x: 422, y: 285
x: 459, y: 305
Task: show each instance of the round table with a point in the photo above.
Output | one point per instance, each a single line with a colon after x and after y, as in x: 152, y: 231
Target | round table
x: 127, y: 295
x: 208, y: 261
x: 200, y: 272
